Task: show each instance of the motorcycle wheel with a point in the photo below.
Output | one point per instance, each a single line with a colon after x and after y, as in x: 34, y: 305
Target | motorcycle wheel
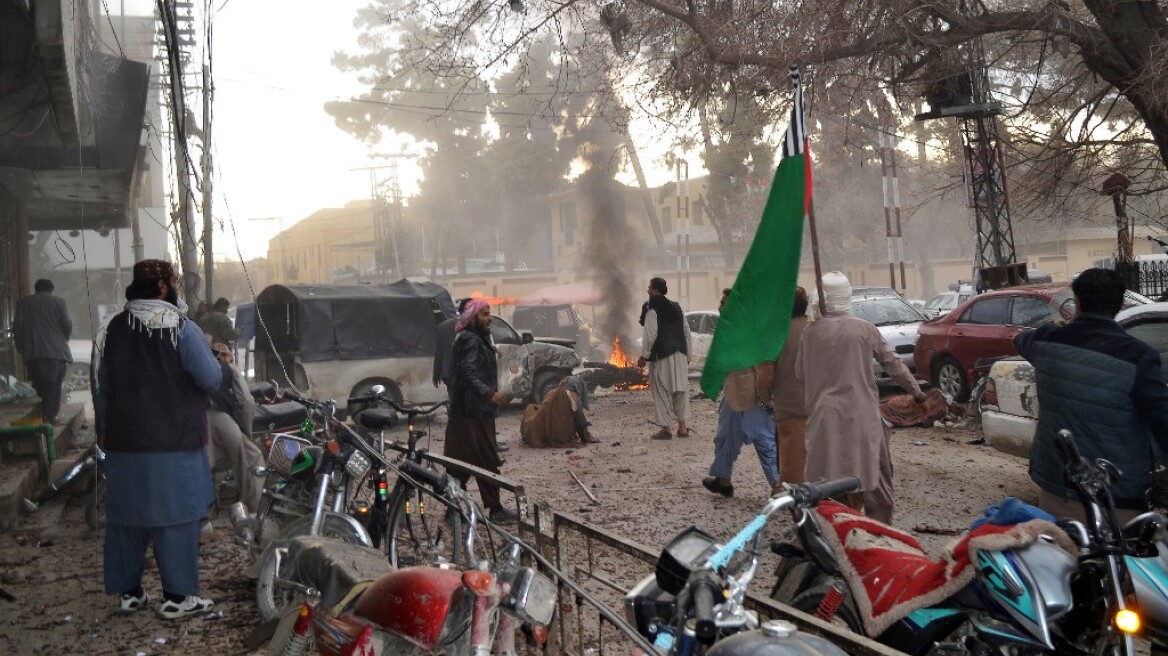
x: 420, y: 532
x: 273, y: 599
x: 809, y: 600
x: 95, y: 505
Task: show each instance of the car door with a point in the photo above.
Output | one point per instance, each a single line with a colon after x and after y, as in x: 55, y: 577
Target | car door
x: 982, y: 331
x: 514, y: 380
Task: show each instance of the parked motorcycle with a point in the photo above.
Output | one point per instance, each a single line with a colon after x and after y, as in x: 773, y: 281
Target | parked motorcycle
x: 693, y: 603
x: 356, y: 604
x: 1021, y: 598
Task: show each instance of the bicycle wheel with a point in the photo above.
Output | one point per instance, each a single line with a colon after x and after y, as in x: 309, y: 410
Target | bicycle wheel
x: 271, y: 597
x: 421, y: 532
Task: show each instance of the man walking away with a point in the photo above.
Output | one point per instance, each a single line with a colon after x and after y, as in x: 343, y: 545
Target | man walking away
x: 217, y: 324
x: 1103, y: 385
x: 41, y: 330
x: 743, y: 418
x: 153, y: 371
x: 790, y: 405
x: 665, y: 347
x: 845, y: 432
x: 230, y: 418
x: 475, y: 403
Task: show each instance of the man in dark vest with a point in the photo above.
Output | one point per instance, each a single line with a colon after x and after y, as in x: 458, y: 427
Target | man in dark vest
x: 152, y: 373
x: 41, y: 331
x: 665, y: 347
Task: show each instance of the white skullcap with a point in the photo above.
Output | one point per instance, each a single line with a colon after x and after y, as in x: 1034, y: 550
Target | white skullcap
x: 837, y: 292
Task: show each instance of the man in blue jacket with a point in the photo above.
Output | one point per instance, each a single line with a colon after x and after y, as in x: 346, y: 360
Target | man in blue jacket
x: 1103, y: 385
x: 153, y: 372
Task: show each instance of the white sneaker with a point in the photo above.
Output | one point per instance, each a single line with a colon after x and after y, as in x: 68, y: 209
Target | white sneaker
x: 128, y: 603
x: 191, y: 605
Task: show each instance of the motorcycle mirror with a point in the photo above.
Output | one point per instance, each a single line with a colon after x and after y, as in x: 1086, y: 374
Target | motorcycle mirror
x: 377, y: 389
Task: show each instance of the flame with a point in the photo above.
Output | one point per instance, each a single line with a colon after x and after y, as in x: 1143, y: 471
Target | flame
x: 618, y: 358
x: 493, y: 300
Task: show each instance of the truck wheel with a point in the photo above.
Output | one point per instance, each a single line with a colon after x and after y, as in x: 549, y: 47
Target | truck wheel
x: 545, y: 382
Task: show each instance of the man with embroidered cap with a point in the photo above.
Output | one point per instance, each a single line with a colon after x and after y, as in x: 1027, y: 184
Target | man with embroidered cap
x: 475, y: 402
x: 153, y: 371
x: 845, y: 432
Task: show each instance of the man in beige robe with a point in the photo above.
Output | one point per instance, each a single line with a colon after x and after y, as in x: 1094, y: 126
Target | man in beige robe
x: 665, y: 348
x: 845, y: 432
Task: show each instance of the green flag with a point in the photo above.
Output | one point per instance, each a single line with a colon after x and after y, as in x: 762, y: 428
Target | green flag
x: 757, y: 317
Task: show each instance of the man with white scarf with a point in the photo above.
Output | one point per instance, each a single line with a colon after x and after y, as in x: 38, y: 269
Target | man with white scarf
x: 845, y: 432
x: 153, y: 371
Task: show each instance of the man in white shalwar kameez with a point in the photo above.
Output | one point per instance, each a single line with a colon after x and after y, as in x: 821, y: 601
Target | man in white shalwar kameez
x: 845, y: 432
x: 665, y: 348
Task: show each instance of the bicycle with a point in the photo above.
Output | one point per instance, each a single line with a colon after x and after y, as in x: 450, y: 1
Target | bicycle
x: 412, y: 535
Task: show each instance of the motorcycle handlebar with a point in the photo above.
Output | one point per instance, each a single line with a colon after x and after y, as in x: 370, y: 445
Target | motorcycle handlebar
x: 809, y: 494
x: 428, y: 476
x: 1068, y: 448
x: 703, y: 587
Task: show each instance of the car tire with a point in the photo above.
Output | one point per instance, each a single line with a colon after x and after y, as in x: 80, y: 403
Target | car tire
x: 545, y: 382
x: 949, y: 377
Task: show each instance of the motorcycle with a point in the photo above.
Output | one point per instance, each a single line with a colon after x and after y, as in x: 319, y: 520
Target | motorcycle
x: 675, y: 606
x: 1028, y: 588
x: 354, y: 603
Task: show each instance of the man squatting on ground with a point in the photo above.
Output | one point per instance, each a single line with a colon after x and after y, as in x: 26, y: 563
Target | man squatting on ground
x: 475, y: 404
x: 845, y: 432
x: 153, y: 372
x: 743, y: 418
x: 665, y: 347
x: 41, y: 330
x: 1106, y: 387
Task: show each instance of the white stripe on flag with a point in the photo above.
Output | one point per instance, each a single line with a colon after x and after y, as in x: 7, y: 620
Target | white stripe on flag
x: 796, y: 136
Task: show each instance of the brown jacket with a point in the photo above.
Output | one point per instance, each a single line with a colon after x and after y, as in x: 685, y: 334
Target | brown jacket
x: 788, y: 392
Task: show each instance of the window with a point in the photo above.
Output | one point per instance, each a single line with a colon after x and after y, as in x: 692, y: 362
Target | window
x: 1029, y: 311
x: 1154, y: 333
x: 503, y: 333
x: 666, y: 219
x: 568, y: 222
x: 991, y: 311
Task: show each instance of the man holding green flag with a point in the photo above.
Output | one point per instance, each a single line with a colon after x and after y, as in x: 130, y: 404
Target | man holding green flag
x: 754, y: 325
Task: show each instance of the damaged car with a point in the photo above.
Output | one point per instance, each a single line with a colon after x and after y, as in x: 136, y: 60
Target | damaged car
x: 1009, y: 402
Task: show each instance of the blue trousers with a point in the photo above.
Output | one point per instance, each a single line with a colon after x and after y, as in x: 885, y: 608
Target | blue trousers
x: 755, y: 426
x: 176, y: 549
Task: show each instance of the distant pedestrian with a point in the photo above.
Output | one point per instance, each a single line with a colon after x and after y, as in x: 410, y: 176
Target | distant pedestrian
x: 474, y: 404
x: 790, y: 404
x: 41, y: 330
x: 665, y: 348
x: 444, y: 350
x: 743, y: 418
x: 152, y: 373
x: 845, y: 432
x: 1106, y: 387
x: 230, y: 417
x: 217, y: 324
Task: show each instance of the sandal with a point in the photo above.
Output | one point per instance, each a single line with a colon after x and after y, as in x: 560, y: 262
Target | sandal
x: 683, y: 433
x: 662, y: 435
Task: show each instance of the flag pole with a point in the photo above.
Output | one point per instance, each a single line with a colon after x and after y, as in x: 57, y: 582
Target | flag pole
x: 815, y: 255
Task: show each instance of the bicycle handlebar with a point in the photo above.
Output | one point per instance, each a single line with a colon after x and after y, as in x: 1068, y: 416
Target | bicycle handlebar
x: 385, y: 398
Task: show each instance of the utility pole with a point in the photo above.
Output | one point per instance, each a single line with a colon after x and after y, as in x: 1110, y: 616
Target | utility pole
x: 385, y: 225
x: 891, y: 191
x: 208, y: 219
x: 683, y: 227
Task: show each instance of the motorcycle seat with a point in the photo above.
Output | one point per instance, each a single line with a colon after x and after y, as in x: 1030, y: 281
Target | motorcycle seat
x: 377, y: 418
x: 335, y: 567
x: 262, y: 391
x: 286, y: 414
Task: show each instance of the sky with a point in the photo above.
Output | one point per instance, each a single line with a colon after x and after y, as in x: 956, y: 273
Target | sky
x: 279, y: 157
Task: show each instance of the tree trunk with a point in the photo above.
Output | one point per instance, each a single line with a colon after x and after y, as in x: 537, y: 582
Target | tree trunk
x: 646, y: 198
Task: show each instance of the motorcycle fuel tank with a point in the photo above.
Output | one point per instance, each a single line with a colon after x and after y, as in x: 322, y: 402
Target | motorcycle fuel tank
x: 774, y: 638
x: 1031, y: 585
x: 413, y: 603
x: 1149, y: 577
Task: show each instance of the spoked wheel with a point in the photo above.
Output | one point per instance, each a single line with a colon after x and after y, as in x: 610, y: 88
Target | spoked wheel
x: 421, y: 532
x: 272, y: 597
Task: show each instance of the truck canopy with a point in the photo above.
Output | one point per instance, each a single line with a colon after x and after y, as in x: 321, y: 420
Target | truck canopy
x: 353, y: 322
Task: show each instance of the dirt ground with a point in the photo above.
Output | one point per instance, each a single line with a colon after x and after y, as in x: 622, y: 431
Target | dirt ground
x: 648, y: 491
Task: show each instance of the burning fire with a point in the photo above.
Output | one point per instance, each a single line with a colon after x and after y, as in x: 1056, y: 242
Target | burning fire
x: 618, y: 358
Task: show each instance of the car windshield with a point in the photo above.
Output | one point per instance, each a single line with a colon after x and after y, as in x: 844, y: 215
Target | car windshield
x: 942, y: 302
x: 886, y: 311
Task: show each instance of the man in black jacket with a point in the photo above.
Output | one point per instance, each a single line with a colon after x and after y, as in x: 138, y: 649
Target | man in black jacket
x: 475, y: 403
x: 41, y: 330
x: 665, y: 347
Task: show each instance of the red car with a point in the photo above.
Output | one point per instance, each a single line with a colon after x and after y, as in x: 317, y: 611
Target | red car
x: 984, y: 327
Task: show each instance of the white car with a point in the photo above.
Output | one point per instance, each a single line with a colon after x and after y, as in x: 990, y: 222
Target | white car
x: 1009, y: 404
x: 898, y: 324
x: 701, y: 334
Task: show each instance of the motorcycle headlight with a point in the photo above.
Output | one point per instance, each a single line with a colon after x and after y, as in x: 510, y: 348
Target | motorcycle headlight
x: 530, y: 596
x: 357, y: 465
